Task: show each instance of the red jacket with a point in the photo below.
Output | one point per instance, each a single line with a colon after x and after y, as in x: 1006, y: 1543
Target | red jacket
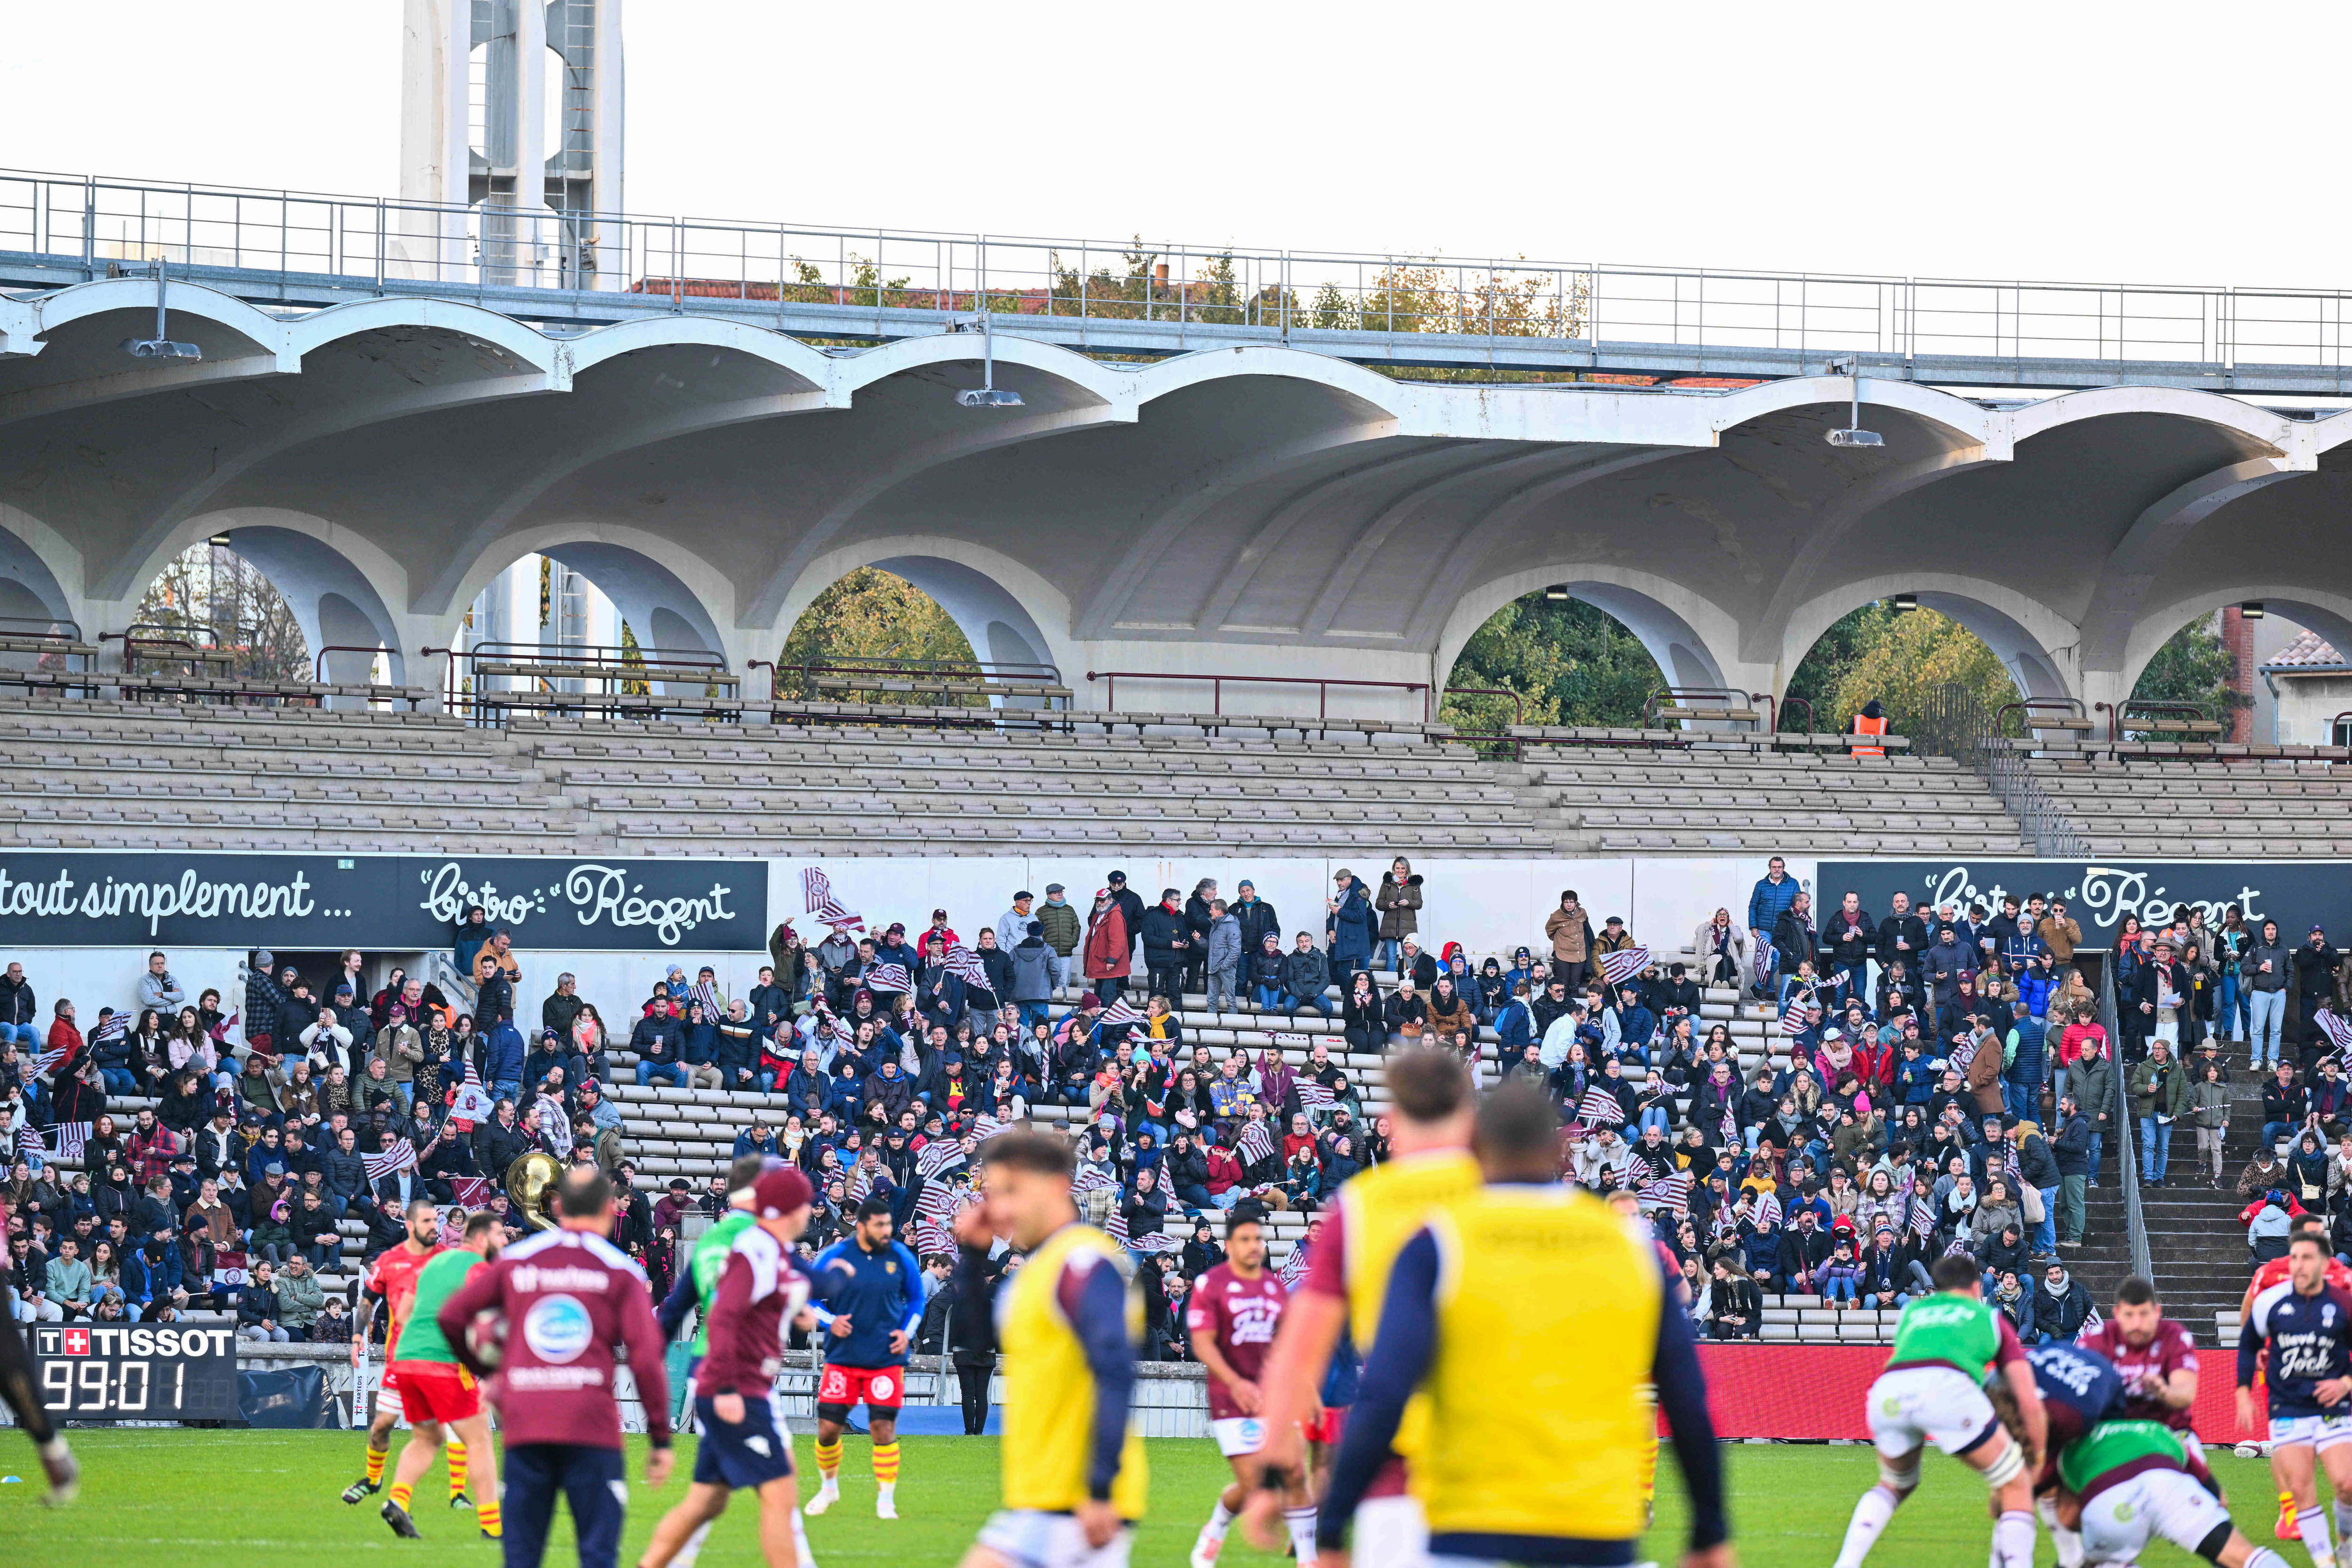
x: 1109, y: 948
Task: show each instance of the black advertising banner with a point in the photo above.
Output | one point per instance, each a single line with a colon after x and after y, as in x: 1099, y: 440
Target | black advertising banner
x: 2098, y: 894
x: 376, y: 903
x: 136, y: 1372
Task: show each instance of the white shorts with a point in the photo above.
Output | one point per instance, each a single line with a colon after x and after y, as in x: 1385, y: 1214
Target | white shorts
x: 2320, y: 1432
x: 2155, y: 1505
x: 1390, y: 1532
x: 1913, y: 1406
x: 1036, y: 1539
x: 1238, y: 1434
x: 387, y: 1397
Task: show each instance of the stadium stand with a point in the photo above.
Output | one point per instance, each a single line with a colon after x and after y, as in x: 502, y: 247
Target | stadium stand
x: 106, y: 774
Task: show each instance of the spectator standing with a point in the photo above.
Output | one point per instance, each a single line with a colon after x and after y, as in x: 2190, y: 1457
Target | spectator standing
x: 2315, y: 983
x: 158, y: 989
x: 1350, y: 923
x: 1794, y: 940
x: 1059, y: 925
x: 1257, y: 918
x: 2262, y: 972
x: 1110, y: 943
x: 1398, y: 904
x: 1770, y: 899
x: 1224, y: 961
x: 2071, y: 1148
x: 1570, y: 930
x: 2160, y: 1091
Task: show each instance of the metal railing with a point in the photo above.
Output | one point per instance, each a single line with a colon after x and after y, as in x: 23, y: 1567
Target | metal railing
x: 1323, y: 685
x: 882, y: 669
x: 1954, y: 723
x: 92, y: 225
x: 2127, y: 1168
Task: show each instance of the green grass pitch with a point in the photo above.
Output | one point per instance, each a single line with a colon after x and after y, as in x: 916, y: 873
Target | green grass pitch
x: 269, y: 1499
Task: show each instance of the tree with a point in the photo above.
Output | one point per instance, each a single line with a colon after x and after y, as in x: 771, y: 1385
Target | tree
x: 2192, y: 667
x: 213, y: 597
x: 867, y: 617
x: 1898, y: 658
x: 1572, y: 663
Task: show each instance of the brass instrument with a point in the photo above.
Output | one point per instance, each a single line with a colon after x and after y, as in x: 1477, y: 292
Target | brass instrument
x: 531, y: 1184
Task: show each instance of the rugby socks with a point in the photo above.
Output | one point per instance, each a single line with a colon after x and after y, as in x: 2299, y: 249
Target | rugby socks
x: 456, y: 1468
x: 886, y: 1464
x: 2316, y: 1538
x: 376, y: 1457
x: 828, y: 1462
x: 493, y: 1523
x: 400, y: 1494
x: 1221, y: 1520
x: 2343, y: 1519
x: 1302, y: 1532
x: 808, y: 1558
x: 1861, y: 1532
x: 2068, y: 1542
x: 2012, y: 1536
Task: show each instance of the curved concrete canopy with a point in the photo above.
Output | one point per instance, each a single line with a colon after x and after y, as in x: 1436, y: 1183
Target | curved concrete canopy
x: 1184, y: 515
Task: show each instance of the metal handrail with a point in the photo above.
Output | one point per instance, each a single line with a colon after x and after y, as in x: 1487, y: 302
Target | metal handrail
x: 1654, y: 704
x: 1956, y: 725
x: 89, y: 226
x: 2120, y: 713
x: 1217, y: 687
x: 2134, y: 1216
x: 45, y: 621
x: 319, y: 661
x: 1803, y: 702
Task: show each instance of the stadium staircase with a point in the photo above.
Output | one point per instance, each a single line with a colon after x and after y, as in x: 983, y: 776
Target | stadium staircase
x: 2201, y: 1261
x: 94, y: 774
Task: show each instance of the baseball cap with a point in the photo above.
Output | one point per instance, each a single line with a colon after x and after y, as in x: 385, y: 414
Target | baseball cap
x: 1118, y: 877
x: 938, y: 914
x: 779, y: 1191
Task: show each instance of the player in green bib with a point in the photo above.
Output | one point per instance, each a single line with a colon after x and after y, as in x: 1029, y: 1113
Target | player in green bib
x: 1933, y: 1391
x: 2125, y: 1483
x: 438, y: 1396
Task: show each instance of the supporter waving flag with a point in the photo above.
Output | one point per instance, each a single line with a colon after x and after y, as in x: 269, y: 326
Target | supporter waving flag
x: 1792, y: 1016
x: 936, y: 1159
x: 1158, y: 1241
x: 887, y: 977
x: 1599, y: 1108
x: 1255, y: 1144
x: 964, y: 965
x: 2337, y: 1028
x: 1313, y: 1096
x: 70, y: 1137
x: 400, y: 1156
x: 1667, y: 1192
x: 1623, y: 964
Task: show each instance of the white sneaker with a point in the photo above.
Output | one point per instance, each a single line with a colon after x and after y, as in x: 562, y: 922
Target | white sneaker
x: 883, y: 1507
x: 1205, y: 1550
x: 826, y: 1498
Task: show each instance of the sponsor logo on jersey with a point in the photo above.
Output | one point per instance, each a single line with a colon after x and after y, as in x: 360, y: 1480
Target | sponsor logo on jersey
x: 557, y: 1328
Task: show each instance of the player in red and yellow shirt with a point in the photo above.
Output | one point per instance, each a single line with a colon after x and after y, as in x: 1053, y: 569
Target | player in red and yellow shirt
x: 1232, y: 1319
x: 393, y: 1278
x: 438, y: 1396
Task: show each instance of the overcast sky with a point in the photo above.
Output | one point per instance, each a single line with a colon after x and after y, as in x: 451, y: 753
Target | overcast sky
x: 2147, y: 142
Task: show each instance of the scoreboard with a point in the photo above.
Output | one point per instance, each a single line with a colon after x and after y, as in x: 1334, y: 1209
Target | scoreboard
x: 136, y: 1372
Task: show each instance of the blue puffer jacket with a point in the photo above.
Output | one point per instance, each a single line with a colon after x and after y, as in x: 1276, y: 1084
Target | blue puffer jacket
x: 1353, y: 925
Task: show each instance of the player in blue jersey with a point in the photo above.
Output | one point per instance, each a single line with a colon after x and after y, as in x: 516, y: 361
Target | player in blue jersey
x: 868, y: 1301
x: 2079, y: 1389
x: 2299, y: 1335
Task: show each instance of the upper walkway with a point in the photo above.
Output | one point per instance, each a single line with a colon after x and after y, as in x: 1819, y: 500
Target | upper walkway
x: 1133, y: 297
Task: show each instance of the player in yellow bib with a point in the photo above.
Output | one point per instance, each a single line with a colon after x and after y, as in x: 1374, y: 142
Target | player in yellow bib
x: 1068, y: 1323
x: 1378, y: 1211
x: 1480, y: 1301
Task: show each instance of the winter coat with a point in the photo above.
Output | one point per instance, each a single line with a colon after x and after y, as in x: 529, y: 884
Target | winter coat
x: 1257, y: 919
x: 1305, y: 974
x: 1350, y: 926
x: 1032, y: 974
x: 1399, y: 904
x: 2249, y: 968
x: 1769, y: 900
x: 1570, y: 931
x: 1226, y: 948
x: 1063, y: 930
x: 1735, y: 943
x: 2093, y: 1085
x: 1109, y: 953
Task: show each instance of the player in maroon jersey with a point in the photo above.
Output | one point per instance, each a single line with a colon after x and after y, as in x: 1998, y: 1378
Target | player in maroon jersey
x: 2156, y: 1357
x: 1232, y: 1319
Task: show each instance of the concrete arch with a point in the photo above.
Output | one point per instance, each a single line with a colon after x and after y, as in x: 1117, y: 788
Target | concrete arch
x: 1975, y: 425
x: 812, y: 366
x: 981, y: 589
x: 334, y: 600
x: 41, y: 571
x: 2329, y: 614
x: 2036, y: 644
x: 641, y: 572
x: 1378, y: 396
x: 1103, y: 383
x: 526, y: 346
x: 1689, y: 638
x: 2285, y: 437
x: 55, y: 312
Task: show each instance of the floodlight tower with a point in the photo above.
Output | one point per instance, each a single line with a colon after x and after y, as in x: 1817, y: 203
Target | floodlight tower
x: 511, y: 109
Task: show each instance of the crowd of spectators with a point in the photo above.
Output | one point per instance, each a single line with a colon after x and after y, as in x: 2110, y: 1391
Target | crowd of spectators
x: 1939, y: 1080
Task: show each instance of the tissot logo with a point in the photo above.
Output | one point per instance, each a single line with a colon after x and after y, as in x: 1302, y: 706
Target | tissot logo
x: 77, y: 1342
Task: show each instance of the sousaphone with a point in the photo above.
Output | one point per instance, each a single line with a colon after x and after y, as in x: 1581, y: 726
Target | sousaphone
x: 531, y: 1185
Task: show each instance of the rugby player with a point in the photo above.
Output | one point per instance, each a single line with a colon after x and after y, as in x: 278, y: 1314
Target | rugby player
x: 2299, y: 1334
x: 393, y: 1278
x: 1932, y: 1391
x: 1379, y: 1209
x: 1232, y: 1317
x: 440, y: 1397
